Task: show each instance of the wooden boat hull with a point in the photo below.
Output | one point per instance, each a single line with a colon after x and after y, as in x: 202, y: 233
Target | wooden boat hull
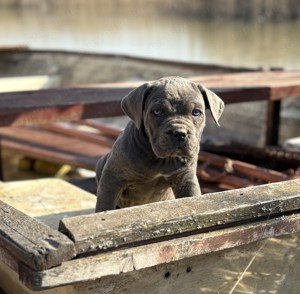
x: 73, y: 68
x: 214, y: 244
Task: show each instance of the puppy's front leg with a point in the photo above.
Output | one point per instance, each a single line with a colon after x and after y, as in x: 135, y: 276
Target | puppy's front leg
x: 186, y: 186
x: 109, y: 189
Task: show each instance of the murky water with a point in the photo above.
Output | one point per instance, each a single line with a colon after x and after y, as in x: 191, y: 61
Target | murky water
x: 138, y: 31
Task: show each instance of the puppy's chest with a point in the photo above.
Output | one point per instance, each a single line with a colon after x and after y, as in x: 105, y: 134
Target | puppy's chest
x: 164, y: 168
x: 154, y: 176
x: 146, y: 181
x: 142, y: 191
x: 149, y: 185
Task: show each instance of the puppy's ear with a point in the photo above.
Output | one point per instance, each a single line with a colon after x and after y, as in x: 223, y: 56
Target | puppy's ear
x: 133, y: 103
x: 213, y: 102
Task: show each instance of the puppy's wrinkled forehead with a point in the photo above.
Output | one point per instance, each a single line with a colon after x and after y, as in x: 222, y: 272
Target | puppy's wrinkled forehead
x: 175, y: 89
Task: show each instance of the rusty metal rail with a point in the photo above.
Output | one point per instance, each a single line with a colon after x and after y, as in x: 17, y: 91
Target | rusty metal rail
x: 70, y: 144
x: 50, y: 141
x: 43, y: 106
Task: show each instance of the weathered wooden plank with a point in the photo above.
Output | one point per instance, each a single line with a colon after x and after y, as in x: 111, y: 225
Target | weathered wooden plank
x: 141, y: 257
x: 155, y: 221
x: 32, y: 242
x: 8, y: 259
x: 252, y: 268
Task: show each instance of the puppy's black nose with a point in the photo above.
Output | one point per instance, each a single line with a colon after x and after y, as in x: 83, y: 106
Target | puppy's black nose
x: 178, y: 136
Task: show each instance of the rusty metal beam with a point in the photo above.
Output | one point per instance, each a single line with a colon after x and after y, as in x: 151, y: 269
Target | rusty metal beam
x: 273, y: 122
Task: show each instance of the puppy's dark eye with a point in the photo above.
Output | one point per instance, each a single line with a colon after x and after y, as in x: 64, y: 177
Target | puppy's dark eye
x: 158, y: 112
x: 196, y: 112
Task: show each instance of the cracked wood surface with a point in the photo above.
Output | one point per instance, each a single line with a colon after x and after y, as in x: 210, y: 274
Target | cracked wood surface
x: 116, y: 263
x: 155, y: 222
x: 32, y: 242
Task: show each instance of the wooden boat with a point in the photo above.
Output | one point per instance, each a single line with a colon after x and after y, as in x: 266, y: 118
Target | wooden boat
x: 50, y: 241
x: 226, y: 242
x: 67, y: 68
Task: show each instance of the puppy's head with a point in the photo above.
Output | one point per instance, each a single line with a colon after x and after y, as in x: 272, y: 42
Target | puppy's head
x: 172, y: 111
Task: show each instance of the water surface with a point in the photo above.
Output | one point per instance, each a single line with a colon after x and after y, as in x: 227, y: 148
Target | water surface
x: 138, y: 31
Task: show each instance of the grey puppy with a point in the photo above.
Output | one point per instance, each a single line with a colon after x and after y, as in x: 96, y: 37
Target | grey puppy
x: 155, y: 158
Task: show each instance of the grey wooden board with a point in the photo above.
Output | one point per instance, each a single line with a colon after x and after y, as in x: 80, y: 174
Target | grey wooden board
x: 31, y: 241
x: 88, y: 269
x: 154, y: 221
x: 269, y: 266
